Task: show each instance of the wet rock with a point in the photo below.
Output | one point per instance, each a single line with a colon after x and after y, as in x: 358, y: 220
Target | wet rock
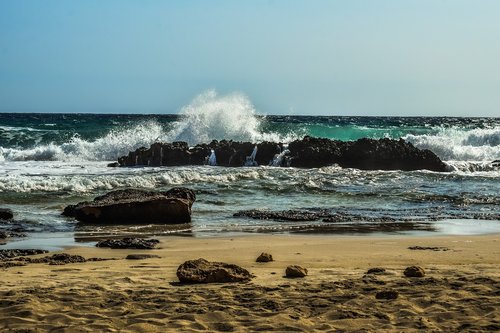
x: 6, y: 214
x: 264, y: 257
x: 7, y: 254
x: 387, y: 294
x: 113, y: 165
x: 129, y: 243
x: 11, y: 234
x: 286, y: 215
x: 203, y: 271
x: 141, y: 256
x: 136, y: 206
x: 414, y: 271
x: 309, y: 152
x: 295, y: 271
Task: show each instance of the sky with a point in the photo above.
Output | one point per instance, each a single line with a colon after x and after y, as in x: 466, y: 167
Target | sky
x: 351, y: 57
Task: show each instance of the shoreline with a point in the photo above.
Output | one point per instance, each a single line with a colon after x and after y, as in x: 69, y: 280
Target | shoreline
x: 459, y: 291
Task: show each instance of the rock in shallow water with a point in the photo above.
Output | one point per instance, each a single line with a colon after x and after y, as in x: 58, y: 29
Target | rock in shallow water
x: 309, y: 152
x: 136, y: 206
x: 6, y: 214
x: 203, y: 271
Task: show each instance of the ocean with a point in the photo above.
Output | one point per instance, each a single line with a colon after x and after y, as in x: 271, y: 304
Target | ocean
x: 48, y: 161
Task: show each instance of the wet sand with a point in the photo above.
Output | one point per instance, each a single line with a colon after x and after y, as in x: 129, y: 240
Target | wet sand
x: 460, y: 291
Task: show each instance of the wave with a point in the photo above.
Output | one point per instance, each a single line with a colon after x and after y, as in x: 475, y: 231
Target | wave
x: 453, y: 144
x: 109, y: 147
x: 210, y: 116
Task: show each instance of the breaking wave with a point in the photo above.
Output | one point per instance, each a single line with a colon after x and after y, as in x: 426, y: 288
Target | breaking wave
x: 210, y: 116
x: 452, y: 144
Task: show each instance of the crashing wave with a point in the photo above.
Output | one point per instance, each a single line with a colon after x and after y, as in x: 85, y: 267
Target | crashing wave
x: 453, y: 144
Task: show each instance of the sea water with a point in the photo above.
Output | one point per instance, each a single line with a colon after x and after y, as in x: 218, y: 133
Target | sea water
x: 48, y: 161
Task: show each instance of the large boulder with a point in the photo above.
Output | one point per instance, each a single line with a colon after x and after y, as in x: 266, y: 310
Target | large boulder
x: 136, y: 206
x: 203, y: 271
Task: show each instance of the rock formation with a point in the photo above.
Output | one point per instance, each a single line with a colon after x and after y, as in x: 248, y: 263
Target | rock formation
x: 136, y: 206
x: 309, y: 152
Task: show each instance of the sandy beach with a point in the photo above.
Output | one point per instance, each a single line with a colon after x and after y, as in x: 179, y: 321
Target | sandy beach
x: 460, y: 291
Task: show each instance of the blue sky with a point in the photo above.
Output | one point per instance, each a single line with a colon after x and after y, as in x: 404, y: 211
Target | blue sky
x: 356, y: 57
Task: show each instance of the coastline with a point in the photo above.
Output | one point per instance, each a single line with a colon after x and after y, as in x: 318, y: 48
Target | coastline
x: 459, y: 291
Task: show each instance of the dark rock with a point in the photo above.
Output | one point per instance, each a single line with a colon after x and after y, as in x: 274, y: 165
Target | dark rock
x: 431, y: 248
x: 288, y: 215
x: 6, y: 214
x: 56, y: 259
x: 264, y: 257
x: 309, y: 152
x: 7, y: 254
x: 11, y: 234
x: 141, y: 256
x: 387, y: 294
x: 203, y: 271
x: 295, y: 271
x: 414, y: 271
x: 129, y: 243
x: 376, y: 270
x: 136, y: 206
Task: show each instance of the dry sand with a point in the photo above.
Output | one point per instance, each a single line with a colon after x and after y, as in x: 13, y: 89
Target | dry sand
x: 460, y: 292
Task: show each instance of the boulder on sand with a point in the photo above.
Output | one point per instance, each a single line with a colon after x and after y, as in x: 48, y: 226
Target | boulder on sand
x: 203, y: 271
x: 295, y: 271
x: 136, y: 206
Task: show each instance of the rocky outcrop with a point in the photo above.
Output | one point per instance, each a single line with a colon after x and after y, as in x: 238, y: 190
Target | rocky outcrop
x: 203, y: 271
x: 136, y: 206
x: 7, y: 254
x: 309, y: 152
x: 6, y: 214
x: 129, y: 243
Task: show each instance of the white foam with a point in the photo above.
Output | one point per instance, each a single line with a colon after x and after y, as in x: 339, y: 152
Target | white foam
x: 113, y: 145
x: 452, y: 144
x: 210, y: 116
x: 206, y: 118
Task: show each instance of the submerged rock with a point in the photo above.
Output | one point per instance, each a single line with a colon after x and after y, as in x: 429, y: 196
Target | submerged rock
x: 136, y: 206
x: 6, y: 214
x: 203, y: 271
x: 129, y: 243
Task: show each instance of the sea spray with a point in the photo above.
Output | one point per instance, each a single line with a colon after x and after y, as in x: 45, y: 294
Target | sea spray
x: 212, y: 117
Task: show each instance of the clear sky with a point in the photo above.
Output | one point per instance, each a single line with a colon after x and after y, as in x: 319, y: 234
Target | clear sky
x: 350, y: 57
